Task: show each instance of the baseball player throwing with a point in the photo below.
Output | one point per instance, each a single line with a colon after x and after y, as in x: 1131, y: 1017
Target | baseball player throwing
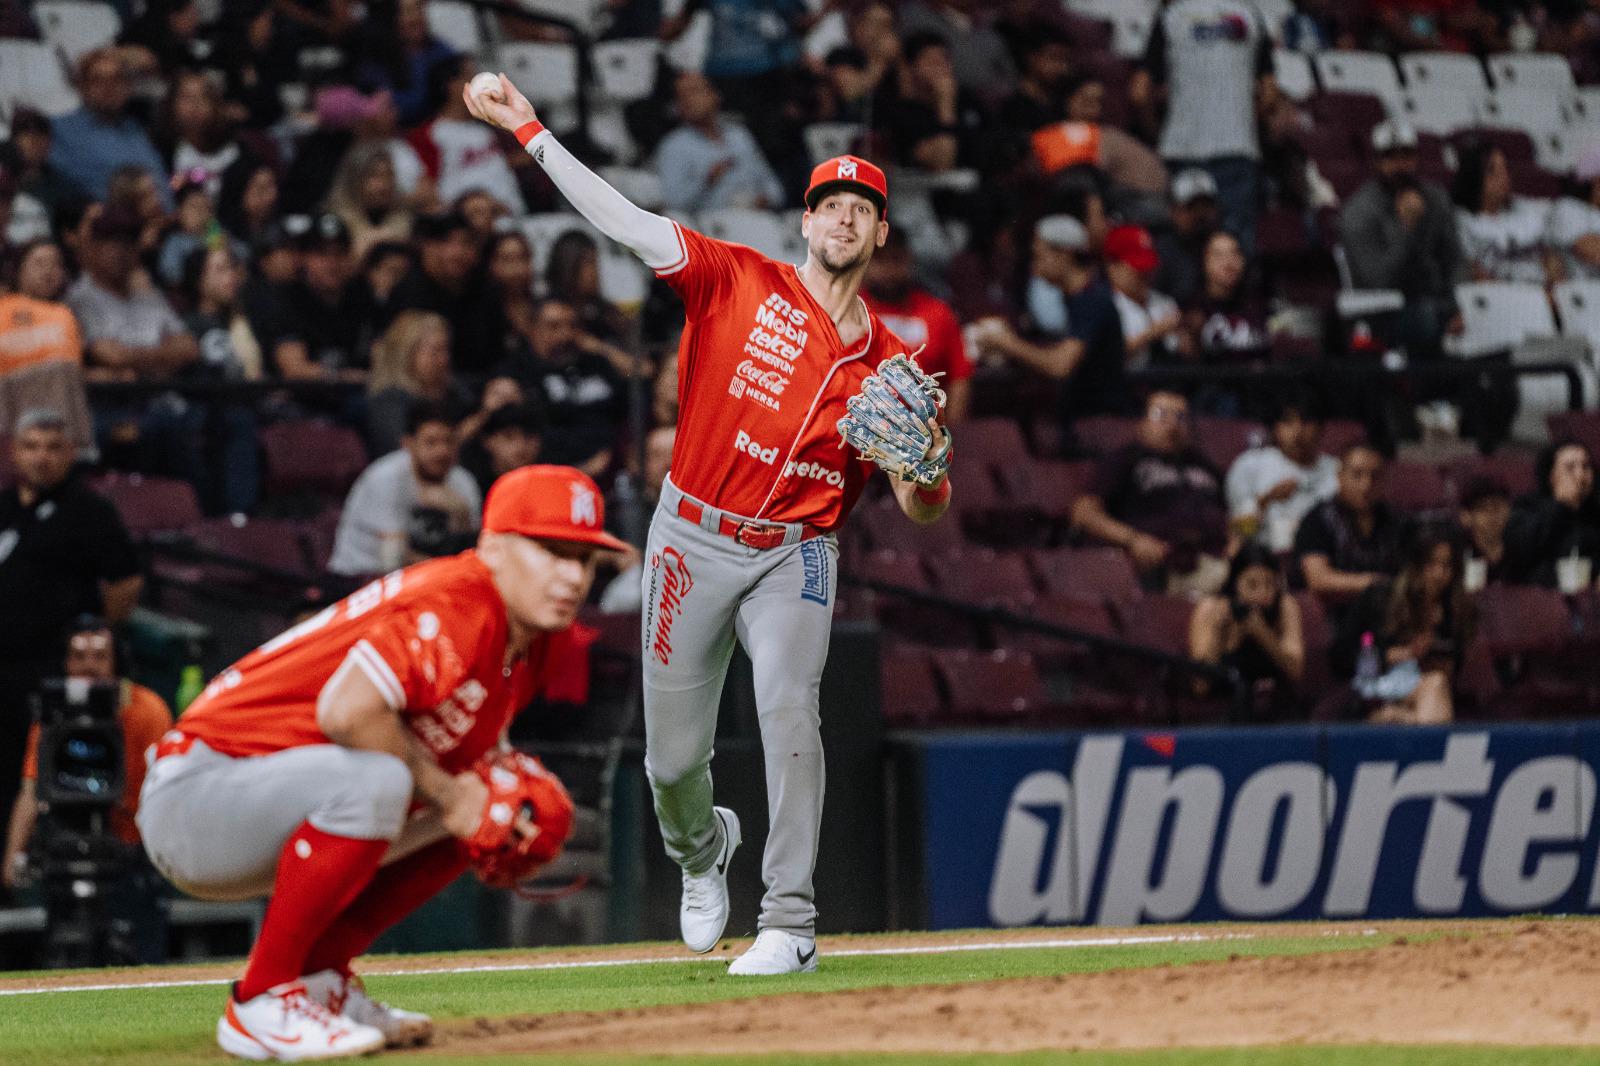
x: 353, y: 766
x: 742, y: 545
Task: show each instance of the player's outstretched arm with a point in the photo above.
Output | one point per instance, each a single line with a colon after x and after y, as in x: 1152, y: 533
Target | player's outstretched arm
x: 651, y: 237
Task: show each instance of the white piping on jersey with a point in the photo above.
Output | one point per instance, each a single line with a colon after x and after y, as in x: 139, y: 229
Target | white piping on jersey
x: 380, y: 673
x: 683, y: 254
x: 812, y: 410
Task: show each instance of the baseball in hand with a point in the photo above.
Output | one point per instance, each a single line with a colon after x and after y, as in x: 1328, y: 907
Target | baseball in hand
x: 485, y: 84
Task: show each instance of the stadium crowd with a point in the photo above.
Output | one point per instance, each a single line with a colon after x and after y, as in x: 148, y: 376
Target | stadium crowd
x: 260, y: 230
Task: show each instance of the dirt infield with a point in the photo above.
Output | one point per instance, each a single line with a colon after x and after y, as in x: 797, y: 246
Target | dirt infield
x: 1504, y: 983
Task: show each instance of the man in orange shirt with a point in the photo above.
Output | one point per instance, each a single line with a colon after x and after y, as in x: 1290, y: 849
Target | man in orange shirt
x: 331, y: 767
x: 143, y: 715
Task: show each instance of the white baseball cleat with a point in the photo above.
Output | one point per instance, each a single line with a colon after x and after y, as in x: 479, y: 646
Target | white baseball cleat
x: 775, y: 952
x: 286, y: 1024
x: 347, y: 996
x: 703, y: 912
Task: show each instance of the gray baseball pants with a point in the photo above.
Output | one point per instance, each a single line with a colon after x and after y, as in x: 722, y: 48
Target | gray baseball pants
x: 703, y: 591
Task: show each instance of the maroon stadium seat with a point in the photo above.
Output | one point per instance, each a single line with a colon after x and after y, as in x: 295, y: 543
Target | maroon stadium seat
x: 993, y: 441
x: 1515, y: 472
x: 1340, y: 433
x: 1356, y: 112
x: 1104, y: 434
x: 1581, y: 426
x: 1516, y: 619
x: 150, y: 504
x: 909, y: 691
x: 273, y: 542
x: 311, y: 454
x: 998, y: 685
x: 1098, y: 575
x: 891, y: 567
x: 983, y: 576
x: 1410, y: 486
x: 1160, y: 622
x: 1073, y: 613
x: 886, y: 527
x: 1052, y: 486
x: 1222, y: 440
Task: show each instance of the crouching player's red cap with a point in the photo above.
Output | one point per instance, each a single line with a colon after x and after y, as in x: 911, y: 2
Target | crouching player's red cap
x: 549, y: 503
x: 852, y: 173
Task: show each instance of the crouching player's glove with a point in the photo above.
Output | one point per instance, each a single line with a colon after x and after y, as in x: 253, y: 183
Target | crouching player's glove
x: 526, y: 818
x: 890, y: 421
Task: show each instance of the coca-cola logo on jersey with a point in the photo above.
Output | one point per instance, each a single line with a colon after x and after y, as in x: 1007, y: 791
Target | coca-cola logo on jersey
x: 676, y: 581
x: 770, y: 380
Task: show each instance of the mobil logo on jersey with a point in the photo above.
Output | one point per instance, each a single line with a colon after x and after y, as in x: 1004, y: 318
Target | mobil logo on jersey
x: 670, y: 582
x: 1291, y: 823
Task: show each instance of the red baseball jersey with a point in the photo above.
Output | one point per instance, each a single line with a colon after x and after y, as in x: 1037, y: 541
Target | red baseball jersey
x: 762, y: 381
x: 922, y: 320
x: 431, y: 638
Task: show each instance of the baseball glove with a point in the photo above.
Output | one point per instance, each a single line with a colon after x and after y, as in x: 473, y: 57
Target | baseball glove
x: 526, y: 819
x: 887, y: 421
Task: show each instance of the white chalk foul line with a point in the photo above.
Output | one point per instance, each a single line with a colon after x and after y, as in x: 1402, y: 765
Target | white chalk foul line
x: 533, y: 967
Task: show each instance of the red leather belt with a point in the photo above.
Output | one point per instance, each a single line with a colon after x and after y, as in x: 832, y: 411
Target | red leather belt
x: 173, y: 743
x: 757, y: 535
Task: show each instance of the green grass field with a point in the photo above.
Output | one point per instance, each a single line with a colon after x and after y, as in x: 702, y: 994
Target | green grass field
x: 151, y: 1026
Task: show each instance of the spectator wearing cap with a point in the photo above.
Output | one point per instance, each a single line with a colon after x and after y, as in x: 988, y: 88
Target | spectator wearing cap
x: 1575, y: 220
x: 446, y: 280
x: 511, y: 436
x: 920, y: 319
x: 927, y: 118
x: 327, y: 317
x: 89, y: 144
x: 66, y: 553
x: 706, y: 163
x: 1353, y: 540
x: 1483, y: 512
x: 1504, y: 237
x: 1087, y: 360
x: 458, y: 152
x: 1179, y: 245
x: 1399, y: 232
x: 1272, y: 487
x: 410, y: 362
x: 1210, y: 61
x: 411, y: 504
x: 1150, y: 318
x: 27, y: 157
x: 126, y: 327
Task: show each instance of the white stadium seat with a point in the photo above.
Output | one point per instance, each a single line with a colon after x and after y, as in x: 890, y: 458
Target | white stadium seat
x: 1130, y: 32
x: 1294, y: 74
x: 761, y: 230
x: 1528, y: 110
x: 76, y: 27
x: 1439, y: 110
x: 626, y: 69
x: 639, y: 184
x: 456, y: 25
x: 543, y: 229
x: 1372, y: 73
x: 1441, y: 70
x: 1557, y: 150
x: 1275, y: 13
x: 546, y: 73
x: 31, y: 74
x: 585, y: 15
x: 1578, y: 304
x: 1501, y: 315
x: 1531, y: 70
x: 624, y: 280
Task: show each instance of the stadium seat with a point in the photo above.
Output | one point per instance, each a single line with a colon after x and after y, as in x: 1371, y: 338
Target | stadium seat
x: 1339, y: 433
x: 1543, y: 71
x: 1222, y: 440
x: 761, y: 230
x: 1371, y: 73
x: 642, y: 185
x: 984, y: 576
x: 1097, y: 575
x: 1415, y: 487
x: 1535, y: 182
x: 1051, y: 485
x: 1582, y: 426
x: 997, y: 685
x: 583, y: 15
x: 1500, y: 315
x: 626, y: 68
x: 312, y: 455
x: 1355, y: 110
x: 318, y: 534
x: 150, y: 504
x: 1578, y: 304
x: 1294, y: 73
x: 1517, y: 619
x: 996, y: 442
x: 1104, y: 434
x: 276, y: 543
x: 1160, y: 622
x: 76, y: 27
x: 1441, y: 109
x: 824, y: 140
x: 1515, y: 144
x: 545, y: 228
x: 1054, y: 653
x: 1443, y: 70
x: 624, y: 280
x: 548, y: 72
x: 31, y: 74
x: 457, y: 25
x: 886, y: 527
x: 908, y: 690
x: 1525, y: 108
x: 1513, y: 471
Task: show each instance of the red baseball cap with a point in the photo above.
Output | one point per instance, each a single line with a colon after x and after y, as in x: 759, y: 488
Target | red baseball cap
x: 1132, y: 245
x: 850, y: 172
x: 549, y: 503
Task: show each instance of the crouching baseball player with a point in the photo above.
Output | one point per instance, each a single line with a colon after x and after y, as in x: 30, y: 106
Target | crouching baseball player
x: 354, y: 766
x: 775, y: 364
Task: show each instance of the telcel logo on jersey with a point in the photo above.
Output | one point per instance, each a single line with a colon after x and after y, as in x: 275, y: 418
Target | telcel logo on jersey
x: 676, y: 581
x: 742, y: 443
x: 814, y: 471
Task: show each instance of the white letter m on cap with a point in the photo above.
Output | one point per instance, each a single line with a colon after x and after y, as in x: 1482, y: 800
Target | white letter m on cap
x: 583, y: 507
x: 847, y: 168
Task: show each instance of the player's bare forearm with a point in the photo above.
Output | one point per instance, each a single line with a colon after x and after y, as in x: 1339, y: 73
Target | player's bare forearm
x: 352, y: 712
x: 923, y: 506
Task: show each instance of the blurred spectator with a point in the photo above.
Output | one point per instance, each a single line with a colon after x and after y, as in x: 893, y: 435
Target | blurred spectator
x: 326, y: 318
x: 927, y: 118
x: 920, y: 319
x: 1086, y: 359
x: 1041, y: 96
x: 753, y: 43
x: 624, y: 594
x: 1353, y: 540
x: 35, y: 327
x: 274, y: 264
x: 164, y: 39
x: 872, y: 29
x: 1210, y: 61
x: 347, y: 121
x: 510, y: 437
x: 1559, y: 520
x: 1085, y: 138
x: 706, y: 163
x: 459, y: 152
x: 1504, y: 237
x: 410, y: 362
x: 90, y: 143
x: 508, y: 265
x: 1574, y: 221
x: 982, y: 62
x: 133, y: 191
x: 573, y: 274
x: 193, y: 226
x: 402, y: 65
x: 411, y: 504
x: 383, y: 268
x: 142, y: 716
x: 26, y: 157
x: 1160, y: 500
x: 1399, y: 232
x: 584, y: 394
x: 262, y: 57
x: 366, y: 198
x: 1223, y: 322
x: 211, y: 280
x: 846, y: 89
x: 1179, y: 247
x: 1419, y: 623
x: 127, y: 324
x: 446, y: 280
x: 1253, y: 626
x: 1485, y: 509
x: 664, y: 392
x: 1150, y: 319
x: 1273, y: 487
x: 315, y: 23
x: 68, y: 554
x: 194, y: 130
x: 484, y: 214
x: 248, y: 202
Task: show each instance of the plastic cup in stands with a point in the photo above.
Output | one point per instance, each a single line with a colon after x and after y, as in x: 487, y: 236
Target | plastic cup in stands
x: 1475, y: 574
x: 1280, y: 531
x: 1573, y: 574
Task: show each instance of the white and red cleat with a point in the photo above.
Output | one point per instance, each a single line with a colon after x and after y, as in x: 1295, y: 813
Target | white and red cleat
x: 345, y: 994
x: 286, y: 1024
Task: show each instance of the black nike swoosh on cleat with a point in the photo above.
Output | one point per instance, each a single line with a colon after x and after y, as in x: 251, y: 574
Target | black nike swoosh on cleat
x: 806, y: 956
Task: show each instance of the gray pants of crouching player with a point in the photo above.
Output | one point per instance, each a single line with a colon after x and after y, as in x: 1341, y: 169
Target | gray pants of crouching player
x: 703, y: 591
x: 215, y: 825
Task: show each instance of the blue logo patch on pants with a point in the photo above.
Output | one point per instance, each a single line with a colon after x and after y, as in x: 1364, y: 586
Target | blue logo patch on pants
x: 814, y: 562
